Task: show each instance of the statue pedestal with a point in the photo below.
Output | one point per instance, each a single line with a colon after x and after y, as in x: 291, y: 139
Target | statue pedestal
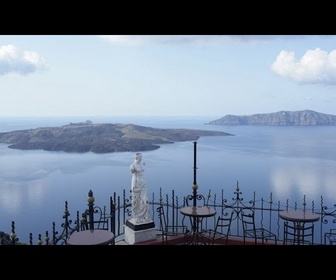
x: 139, y: 232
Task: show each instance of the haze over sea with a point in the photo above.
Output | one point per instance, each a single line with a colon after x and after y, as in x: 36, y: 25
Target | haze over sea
x: 288, y: 162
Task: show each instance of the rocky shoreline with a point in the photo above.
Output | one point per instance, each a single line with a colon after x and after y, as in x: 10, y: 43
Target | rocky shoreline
x: 99, y: 138
x: 281, y: 118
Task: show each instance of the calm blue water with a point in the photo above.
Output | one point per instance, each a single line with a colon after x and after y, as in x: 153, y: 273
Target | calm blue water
x: 288, y: 162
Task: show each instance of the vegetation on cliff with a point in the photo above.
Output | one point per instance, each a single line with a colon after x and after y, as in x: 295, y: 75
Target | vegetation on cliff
x: 99, y: 138
x: 283, y: 118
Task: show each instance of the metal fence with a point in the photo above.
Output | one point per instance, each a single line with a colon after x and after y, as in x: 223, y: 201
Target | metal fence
x: 114, y: 216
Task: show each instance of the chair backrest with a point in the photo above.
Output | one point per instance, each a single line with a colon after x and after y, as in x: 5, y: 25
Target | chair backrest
x: 200, y: 200
x: 100, y: 220
x: 162, y: 218
x: 247, y: 218
x: 223, y: 224
x: 299, y: 234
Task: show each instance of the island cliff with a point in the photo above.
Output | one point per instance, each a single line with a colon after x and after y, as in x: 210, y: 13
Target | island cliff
x: 99, y: 138
x: 282, y: 118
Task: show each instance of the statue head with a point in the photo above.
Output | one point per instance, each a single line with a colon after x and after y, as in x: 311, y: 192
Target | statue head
x: 138, y: 157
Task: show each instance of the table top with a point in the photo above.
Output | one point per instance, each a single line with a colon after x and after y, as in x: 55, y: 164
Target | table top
x: 91, y: 237
x: 198, y: 211
x: 299, y: 216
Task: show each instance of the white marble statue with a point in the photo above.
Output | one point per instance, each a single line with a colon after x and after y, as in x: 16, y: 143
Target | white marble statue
x: 139, y: 191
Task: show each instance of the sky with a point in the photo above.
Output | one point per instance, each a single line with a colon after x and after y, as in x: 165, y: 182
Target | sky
x: 166, y: 75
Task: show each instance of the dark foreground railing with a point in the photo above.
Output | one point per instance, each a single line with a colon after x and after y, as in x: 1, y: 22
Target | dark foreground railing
x: 266, y: 213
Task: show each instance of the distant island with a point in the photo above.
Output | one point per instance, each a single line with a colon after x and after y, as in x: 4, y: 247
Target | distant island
x: 99, y: 138
x: 281, y: 118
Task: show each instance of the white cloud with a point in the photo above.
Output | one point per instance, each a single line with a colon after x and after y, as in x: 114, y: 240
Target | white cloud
x: 138, y: 40
x: 315, y: 66
x: 15, y: 61
x: 263, y: 38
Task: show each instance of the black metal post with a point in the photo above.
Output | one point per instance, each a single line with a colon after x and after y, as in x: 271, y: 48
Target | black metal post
x: 90, y: 201
x: 195, y: 187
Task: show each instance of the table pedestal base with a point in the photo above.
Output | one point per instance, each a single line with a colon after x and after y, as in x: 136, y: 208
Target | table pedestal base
x: 135, y: 233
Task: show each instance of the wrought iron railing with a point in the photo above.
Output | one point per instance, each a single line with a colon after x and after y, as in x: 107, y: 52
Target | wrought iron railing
x: 266, y: 213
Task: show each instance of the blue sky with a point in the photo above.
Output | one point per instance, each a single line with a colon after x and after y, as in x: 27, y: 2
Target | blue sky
x: 165, y: 75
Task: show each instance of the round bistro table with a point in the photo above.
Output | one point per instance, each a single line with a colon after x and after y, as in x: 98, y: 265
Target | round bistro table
x: 91, y: 237
x: 197, y: 213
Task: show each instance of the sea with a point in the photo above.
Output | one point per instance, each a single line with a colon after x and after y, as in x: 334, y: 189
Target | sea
x: 287, y: 163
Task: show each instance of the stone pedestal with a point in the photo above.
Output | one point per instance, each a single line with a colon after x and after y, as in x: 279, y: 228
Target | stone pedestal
x: 139, y: 232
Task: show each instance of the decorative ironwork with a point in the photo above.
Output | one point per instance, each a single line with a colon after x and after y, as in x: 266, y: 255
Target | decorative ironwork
x: 13, y: 238
x: 266, y: 214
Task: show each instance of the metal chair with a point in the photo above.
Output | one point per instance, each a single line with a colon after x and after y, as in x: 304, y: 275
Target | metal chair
x: 251, y: 231
x: 220, y: 232
x: 170, y: 230
x: 94, y: 218
x: 200, y: 201
x: 331, y: 236
x: 298, y: 234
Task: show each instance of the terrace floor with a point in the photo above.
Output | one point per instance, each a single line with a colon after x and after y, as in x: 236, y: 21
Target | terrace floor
x: 179, y: 240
